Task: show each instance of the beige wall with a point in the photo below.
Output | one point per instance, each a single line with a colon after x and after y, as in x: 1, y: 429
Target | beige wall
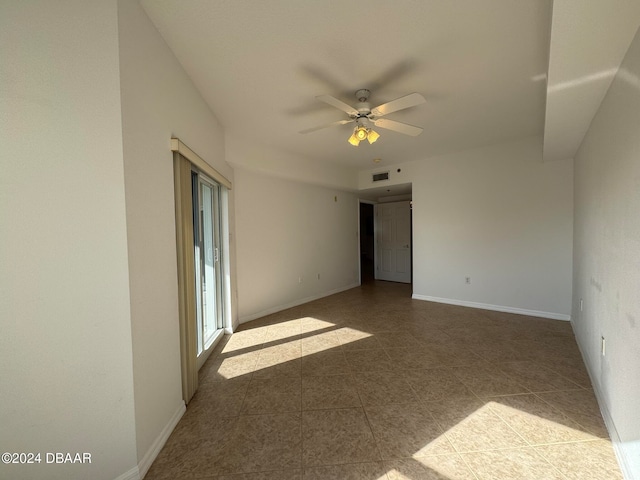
x: 65, y: 346
x: 499, y: 215
x: 607, y: 255
x: 158, y: 102
x: 288, y: 230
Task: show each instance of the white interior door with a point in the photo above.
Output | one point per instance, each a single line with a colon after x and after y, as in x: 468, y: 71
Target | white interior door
x: 393, y: 241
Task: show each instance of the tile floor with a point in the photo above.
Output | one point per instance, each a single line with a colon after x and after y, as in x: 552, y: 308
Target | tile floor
x: 369, y: 384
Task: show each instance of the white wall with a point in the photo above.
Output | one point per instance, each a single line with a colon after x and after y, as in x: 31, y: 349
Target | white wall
x: 262, y: 159
x: 286, y: 230
x: 496, y: 214
x: 607, y: 254
x: 65, y: 346
x: 158, y: 102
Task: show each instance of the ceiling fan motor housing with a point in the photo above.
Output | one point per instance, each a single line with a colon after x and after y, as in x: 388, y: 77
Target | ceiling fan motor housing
x: 363, y: 94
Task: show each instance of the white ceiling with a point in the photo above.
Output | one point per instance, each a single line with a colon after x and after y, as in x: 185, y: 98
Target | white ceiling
x: 481, y: 65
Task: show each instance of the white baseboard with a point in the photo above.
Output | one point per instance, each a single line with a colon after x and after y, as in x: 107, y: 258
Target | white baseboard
x: 279, y: 308
x: 496, y: 308
x: 145, y: 464
x: 627, y: 453
x: 133, y: 474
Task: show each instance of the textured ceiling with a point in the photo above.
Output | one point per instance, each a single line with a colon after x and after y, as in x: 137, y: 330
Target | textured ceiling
x: 491, y: 70
x: 481, y: 65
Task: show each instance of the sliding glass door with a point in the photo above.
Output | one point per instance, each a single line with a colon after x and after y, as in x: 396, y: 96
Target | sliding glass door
x: 207, y: 215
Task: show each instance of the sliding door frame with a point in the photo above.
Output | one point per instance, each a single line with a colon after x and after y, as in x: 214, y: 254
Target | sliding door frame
x: 185, y: 161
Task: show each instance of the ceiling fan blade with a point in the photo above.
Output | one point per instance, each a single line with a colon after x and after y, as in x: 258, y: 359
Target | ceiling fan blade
x: 398, y: 127
x: 339, y: 122
x: 401, y: 103
x: 339, y: 104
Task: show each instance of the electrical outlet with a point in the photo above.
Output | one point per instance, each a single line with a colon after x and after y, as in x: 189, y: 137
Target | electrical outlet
x: 602, y: 346
x: 299, y: 279
x: 581, y: 304
x: 467, y: 280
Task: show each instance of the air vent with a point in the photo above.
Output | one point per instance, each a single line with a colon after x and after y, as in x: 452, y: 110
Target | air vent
x: 378, y: 177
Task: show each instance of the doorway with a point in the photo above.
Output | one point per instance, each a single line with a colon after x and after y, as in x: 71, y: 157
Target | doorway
x: 367, y: 243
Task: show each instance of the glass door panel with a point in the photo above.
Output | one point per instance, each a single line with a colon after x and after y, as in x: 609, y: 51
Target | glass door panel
x: 207, y: 260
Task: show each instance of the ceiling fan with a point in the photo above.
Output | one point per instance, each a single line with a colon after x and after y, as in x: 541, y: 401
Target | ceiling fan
x: 364, y: 116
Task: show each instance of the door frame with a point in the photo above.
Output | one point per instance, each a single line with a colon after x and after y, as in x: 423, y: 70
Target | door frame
x: 184, y: 160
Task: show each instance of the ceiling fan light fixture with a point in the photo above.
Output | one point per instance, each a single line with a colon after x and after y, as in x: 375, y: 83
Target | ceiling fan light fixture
x: 372, y: 136
x: 353, y: 140
x: 361, y: 133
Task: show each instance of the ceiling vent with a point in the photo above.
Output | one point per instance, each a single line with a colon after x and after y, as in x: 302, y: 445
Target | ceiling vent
x: 378, y: 177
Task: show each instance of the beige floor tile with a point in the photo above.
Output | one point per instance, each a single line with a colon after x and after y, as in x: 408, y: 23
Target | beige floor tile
x: 220, y: 398
x: 260, y: 443
x: 373, y: 360
x: 483, y: 430
x: 406, y: 430
x: 461, y: 356
x: 289, y: 368
x: 458, y: 369
x: 573, y: 370
x: 449, y: 412
x: 188, y: 461
x: 330, y: 391
x: 356, y: 342
x: 356, y: 471
x: 200, y: 425
x: 337, y: 436
x: 231, y: 366
x: 584, y: 460
x: 245, y: 341
x: 383, y: 388
x: 486, y: 382
x: 573, y: 401
x: 439, y: 467
x: 320, y: 342
x: 513, y: 464
x: 287, y: 349
x: 274, y: 365
x: 287, y: 331
x: 435, y: 384
x: 331, y: 362
x: 399, y: 340
x: 274, y: 475
x: 312, y: 324
x: 415, y: 358
x: 593, y: 424
x: 273, y: 395
x: 537, y: 378
x: 537, y: 421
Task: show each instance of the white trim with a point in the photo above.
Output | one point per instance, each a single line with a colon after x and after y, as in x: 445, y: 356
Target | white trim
x: 145, y: 464
x: 496, y: 308
x: 133, y: 474
x: 627, y: 453
x: 194, y: 158
x: 279, y: 308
